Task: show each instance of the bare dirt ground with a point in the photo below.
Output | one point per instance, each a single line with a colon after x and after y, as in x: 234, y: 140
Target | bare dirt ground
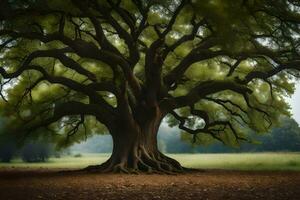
x: 211, y: 184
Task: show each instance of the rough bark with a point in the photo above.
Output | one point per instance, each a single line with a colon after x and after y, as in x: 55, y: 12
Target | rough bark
x: 135, y: 149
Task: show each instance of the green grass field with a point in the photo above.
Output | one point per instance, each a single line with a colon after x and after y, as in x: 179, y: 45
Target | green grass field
x: 240, y: 161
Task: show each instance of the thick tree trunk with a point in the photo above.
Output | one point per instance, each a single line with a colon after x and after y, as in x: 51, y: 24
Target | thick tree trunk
x: 135, y: 150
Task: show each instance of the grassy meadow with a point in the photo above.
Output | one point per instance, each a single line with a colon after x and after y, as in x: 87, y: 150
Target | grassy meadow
x: 231, y: 161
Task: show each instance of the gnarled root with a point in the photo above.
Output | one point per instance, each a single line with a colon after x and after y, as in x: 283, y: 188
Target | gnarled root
x: 141, y: 162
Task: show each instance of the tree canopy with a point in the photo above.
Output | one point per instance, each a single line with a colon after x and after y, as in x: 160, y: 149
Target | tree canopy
x: 211, y: 67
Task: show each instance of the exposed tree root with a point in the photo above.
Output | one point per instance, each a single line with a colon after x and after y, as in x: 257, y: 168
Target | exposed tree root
x: 143, y: 163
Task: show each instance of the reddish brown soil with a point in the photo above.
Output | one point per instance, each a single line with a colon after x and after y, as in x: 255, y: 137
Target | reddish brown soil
x: 212, y: 184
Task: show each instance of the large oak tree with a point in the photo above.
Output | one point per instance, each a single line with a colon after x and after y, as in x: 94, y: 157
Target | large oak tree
x: 212, y: 67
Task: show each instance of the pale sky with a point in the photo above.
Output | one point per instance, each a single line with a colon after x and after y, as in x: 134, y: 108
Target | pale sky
x: 295, y: 103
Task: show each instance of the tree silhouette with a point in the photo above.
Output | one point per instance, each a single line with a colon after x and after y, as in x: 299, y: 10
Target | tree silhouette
x: 210, y: 67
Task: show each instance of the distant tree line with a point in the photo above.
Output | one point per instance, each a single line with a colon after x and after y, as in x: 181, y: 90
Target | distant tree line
x: 7, y: 150
x: 30, y: 152
x: 36, y: 152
